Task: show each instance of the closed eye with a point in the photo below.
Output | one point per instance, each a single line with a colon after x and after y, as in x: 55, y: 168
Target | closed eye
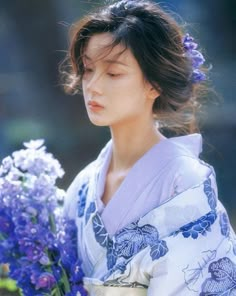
x: 113, y: 75
x: 89, y: 70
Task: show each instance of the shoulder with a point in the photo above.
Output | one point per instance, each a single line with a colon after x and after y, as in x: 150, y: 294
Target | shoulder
x: 188, y: 172
x: 191, y: 168
x: 181, y: 160
x: 183, y: 173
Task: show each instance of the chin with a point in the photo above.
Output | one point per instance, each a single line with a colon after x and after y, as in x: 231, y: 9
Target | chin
x: 98, y: 122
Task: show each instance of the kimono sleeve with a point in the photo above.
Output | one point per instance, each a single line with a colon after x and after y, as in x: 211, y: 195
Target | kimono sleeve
x: 201, y: 257
x: 71, y: 199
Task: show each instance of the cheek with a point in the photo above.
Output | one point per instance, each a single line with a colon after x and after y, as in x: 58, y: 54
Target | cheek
x: 84, y: 91
x: 133, y: 89
x: 127, y: 85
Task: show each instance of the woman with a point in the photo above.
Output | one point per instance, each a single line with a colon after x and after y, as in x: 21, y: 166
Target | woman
x: 149, y: 221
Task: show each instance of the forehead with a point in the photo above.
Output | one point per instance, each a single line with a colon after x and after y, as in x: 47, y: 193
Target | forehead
x: 97, y: 49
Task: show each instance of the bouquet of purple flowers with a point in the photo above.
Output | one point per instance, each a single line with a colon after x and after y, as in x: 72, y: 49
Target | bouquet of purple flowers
x: 38, y: 243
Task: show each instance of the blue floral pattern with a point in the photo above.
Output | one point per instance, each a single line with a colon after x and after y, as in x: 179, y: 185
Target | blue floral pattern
x: 102, y: 237
x: 200, y: 226
x: 101, y: 234
x: 133, y: 238
x: 224, y: 224
x: 223, y: 278
x: 82, y: 193
x: 193, y: 272
x: 112, y: 255
x: 210, y: 193
x: 91, y: 209
x: 129, y: 241
x: 158, y: 250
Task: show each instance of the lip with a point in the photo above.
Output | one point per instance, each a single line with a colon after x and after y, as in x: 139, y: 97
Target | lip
x: 95, y: 106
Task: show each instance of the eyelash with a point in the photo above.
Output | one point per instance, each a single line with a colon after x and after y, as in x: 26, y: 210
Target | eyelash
x: 110, y: 74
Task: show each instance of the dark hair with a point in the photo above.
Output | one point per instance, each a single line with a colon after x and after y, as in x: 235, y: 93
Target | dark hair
x: 156, y: 41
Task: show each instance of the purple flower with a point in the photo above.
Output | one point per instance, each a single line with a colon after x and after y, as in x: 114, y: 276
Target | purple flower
x: 6, y: 254
x: 45, y: 280
x: 188, y: 43
x: 198, y: 76
x: 38, y: 243
x: 57, y: 272
x: 77, y: 273
x: 34, y: 252
x: 187, y: 38
x: 41, y: 188
x: 7, y: 163
x: 10, y: 188
x: 34, y: 144
x: 6, y: 225
x: 36, y: 161
x: 44, y: 260
x: 195, y: 57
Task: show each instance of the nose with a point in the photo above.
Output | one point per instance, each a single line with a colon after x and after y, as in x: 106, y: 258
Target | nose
x: 94, y: 83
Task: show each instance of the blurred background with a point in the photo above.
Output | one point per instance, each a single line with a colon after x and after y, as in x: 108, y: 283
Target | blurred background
x: 33, y: 41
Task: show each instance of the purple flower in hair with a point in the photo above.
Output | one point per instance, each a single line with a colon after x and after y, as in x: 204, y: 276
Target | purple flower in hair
x: 196, y: 57
x: 198, y: 75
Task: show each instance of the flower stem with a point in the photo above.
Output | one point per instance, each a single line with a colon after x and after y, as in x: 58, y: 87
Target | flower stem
x: 52, y: 223
x: 57, y: 291
x: 65, y: 281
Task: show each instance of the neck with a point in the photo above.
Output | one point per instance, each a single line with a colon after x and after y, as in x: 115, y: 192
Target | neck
x: 131, y: 142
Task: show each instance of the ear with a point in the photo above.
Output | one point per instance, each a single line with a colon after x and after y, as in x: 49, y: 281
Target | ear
x: 153, y: 93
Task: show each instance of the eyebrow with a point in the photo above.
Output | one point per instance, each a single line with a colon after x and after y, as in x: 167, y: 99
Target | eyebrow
x: 108, y: 61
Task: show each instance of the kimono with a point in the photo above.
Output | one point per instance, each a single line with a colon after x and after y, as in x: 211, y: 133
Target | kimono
x: 163, y: 233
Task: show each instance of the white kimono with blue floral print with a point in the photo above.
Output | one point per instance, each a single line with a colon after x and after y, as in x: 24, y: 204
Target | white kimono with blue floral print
x: 182, y: 246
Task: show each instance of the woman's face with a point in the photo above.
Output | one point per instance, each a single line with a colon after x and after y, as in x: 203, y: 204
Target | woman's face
x: 114, y: 89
